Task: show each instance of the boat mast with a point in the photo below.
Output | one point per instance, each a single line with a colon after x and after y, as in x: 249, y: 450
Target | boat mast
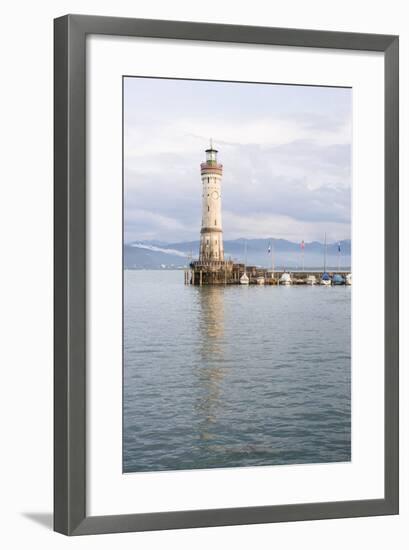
x: 325, y: 253
x: 339, y: 256
x: 272, y: 258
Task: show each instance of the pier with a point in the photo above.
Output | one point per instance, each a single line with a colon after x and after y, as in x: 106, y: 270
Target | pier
x: 228, y: 273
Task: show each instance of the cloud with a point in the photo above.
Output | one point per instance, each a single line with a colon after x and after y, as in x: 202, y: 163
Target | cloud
x: 270, y: 225
x: 287, y: 173
x: 182, y: 136
x: 149, y: 225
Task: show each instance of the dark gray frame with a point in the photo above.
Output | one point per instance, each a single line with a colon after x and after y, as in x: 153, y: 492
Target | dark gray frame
x: 70, y: 34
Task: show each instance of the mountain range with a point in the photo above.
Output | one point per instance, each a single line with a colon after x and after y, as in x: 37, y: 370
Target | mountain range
x: 286, y: 254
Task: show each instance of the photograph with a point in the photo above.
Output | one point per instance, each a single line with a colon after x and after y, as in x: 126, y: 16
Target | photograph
x: 236, y: 274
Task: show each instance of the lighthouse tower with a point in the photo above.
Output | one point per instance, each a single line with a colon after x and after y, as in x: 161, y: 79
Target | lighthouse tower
x: 211, y: 234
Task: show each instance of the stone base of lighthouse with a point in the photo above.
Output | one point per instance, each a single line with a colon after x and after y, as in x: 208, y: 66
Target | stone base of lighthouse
x: 211, y: 272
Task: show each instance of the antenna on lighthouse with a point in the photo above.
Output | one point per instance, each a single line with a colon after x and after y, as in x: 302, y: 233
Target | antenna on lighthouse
x: 211, y: 143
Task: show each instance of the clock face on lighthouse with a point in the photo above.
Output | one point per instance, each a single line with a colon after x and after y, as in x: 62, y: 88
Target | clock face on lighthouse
x: 215, y: 195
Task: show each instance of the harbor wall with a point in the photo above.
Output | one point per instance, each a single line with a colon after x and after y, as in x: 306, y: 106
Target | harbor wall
x: 228, y: 273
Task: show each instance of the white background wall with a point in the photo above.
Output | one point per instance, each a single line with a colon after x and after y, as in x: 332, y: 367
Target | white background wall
x: 26, y: 270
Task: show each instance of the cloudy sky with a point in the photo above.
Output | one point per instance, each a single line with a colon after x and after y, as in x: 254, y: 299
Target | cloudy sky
x: 286, y: 152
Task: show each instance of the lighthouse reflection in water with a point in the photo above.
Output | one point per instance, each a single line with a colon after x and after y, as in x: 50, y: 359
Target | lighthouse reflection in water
x: 222, y: 376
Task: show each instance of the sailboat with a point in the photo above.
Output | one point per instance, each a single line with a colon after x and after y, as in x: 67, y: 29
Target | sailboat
x: 338, y: 279
x: 244, y: 280
x: 325, y: 279
x: 286, y: 279
x: 311, y: 280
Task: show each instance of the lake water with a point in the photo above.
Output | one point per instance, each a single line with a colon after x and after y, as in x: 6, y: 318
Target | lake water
x: 234, y: 376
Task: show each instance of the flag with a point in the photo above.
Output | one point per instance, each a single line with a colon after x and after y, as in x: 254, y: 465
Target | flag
x: 302, y: 245
x: 339, y: 247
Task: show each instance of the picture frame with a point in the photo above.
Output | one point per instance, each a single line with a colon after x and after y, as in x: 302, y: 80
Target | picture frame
x: 70, y: 274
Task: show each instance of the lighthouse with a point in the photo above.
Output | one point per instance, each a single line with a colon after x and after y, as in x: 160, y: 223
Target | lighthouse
x: 211, y: 233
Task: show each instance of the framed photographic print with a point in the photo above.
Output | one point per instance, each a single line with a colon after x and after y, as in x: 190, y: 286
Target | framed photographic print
x: 226, y: 275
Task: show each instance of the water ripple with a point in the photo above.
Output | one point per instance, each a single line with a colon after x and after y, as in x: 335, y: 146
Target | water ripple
x: 232, y: 376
